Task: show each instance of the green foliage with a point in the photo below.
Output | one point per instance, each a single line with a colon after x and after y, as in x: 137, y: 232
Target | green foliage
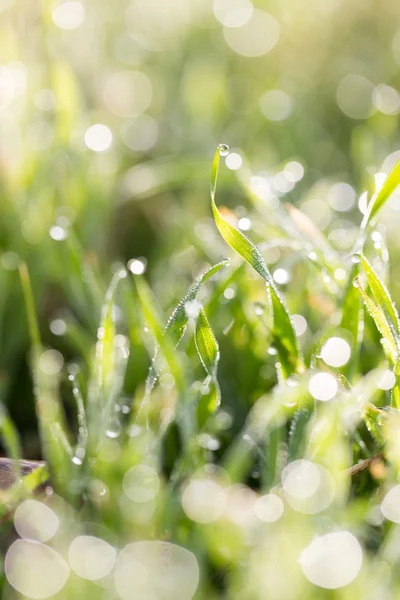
x: 283, y: 331
x: 229, y: 427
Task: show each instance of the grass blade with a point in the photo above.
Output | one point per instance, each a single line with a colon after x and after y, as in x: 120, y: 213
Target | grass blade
x: 206, y: 344
x: 178, y: 321
x: 30, y: 308
x: 381, y: 323
x: 154, y: 322
x: 283, y: 330
x: 352, y: 319
x: 208, y: 351
x: 55, y: 444
x: 391, y: 183
x: 108, y: 371
x: 383, y: 299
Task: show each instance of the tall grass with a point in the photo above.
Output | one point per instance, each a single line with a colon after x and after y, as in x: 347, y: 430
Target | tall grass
x: 211, y: 479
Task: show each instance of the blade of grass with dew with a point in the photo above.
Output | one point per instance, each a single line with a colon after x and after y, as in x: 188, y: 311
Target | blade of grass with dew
x: 275, y: 442
x: 83, y: 435
x: 374, y: 419
x: 177, y: 323
x: 382, y: 325
x: 105, y: 353
x: 83, y: 288
x: 385, y: 302
x: 395, y: 391
x: 376, y: 203
x: 383, y: 299
x: 107, y: 372
x: 352, y: 320
x: 184, y: 410
x: 289, y: 353
x: 165, y: 343
x: 208, y: 351
x: 391, y: 183
x: 55, y: 444
x: 297, y: 434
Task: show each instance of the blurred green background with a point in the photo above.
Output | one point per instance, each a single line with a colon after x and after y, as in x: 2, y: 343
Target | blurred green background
x: 110, y: 113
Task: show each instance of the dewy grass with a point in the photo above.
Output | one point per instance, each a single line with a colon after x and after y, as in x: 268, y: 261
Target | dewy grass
x: 246, y: 464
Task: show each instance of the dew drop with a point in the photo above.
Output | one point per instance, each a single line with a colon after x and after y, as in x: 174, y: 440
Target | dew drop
x: 355, y: 258
x: 114, y: 429
x: 223, y: 150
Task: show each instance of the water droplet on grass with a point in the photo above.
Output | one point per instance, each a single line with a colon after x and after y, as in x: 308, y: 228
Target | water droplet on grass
x: 114, y: 429
x: 223, y: 150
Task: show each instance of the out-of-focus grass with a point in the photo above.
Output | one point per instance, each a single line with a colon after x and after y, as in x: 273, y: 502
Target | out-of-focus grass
x: 225, y: 426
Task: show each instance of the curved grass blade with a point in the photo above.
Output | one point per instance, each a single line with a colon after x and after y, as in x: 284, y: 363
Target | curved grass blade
x: 381, y: 323
x: 391, y: 183
x: 383, y: 299
x: 178, y: 321
x: 283, y: 330
x: 376, y: 203
x: 208, y: 351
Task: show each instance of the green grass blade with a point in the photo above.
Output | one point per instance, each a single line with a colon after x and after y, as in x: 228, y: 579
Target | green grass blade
x: 381, y: 323
x: 382, y: 298
x: 30, y: 308
x: 208, y: 351
x: 206, y: 344
x: 9, y: 435
x: 81, y: 445
x: 154, y: 322
x: 283, y: 330
x: 374, y: 419
x: 235, y: 238
x: 105, y: 349
x: 276, y: 442
x: 391, y: 183
x: 172, y: 334
x: 53, y: 433
x: 178, y: 321
x: 11, y: 440
x: 352, y: 319
x: 107, y: 372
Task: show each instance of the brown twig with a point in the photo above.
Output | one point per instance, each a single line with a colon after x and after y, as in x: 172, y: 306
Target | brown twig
x: 365, y: 464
